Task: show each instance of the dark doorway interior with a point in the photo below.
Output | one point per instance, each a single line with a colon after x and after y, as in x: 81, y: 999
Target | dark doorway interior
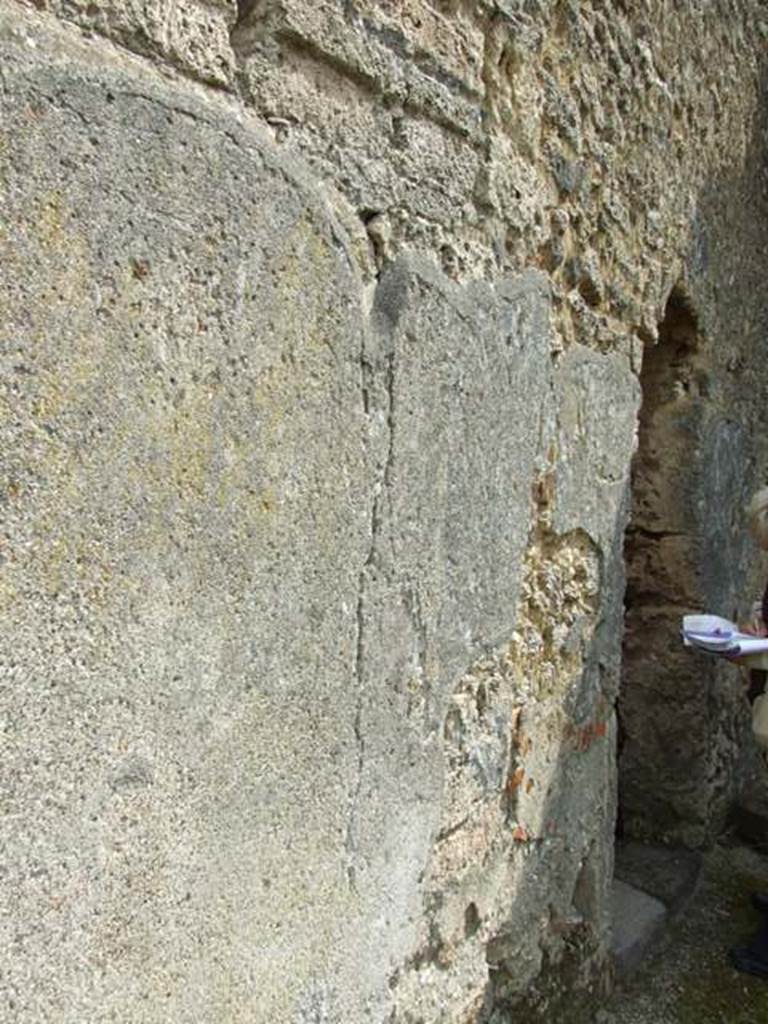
x: 663, y: 733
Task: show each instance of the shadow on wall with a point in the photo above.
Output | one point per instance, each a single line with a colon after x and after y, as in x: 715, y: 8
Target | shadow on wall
x: 662, y: 728
x: 684, y: 726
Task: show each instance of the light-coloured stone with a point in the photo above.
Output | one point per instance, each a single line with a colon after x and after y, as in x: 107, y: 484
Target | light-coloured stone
x: 192, y: 35
x: 638, y: 920
x: 186, y: 514
x: 320, y: 387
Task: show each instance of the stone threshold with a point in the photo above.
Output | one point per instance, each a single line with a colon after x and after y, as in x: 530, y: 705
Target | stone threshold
x: 651, y: 885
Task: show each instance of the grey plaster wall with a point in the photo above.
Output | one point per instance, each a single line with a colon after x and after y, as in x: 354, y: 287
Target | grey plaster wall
x: 321, y: 330
x: 253, y: 534
x: 186, y: 508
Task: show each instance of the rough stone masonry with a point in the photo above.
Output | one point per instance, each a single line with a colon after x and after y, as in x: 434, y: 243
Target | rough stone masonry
x: 325, y: 330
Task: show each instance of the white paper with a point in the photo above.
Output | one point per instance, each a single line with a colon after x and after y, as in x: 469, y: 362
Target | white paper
x: 716, y: 635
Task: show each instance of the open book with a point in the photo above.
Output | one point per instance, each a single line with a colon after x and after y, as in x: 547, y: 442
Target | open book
x: 719, y: 636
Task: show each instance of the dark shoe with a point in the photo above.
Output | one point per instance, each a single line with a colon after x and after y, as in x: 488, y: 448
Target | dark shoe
x: 760, y: 901
x: 748, y: 962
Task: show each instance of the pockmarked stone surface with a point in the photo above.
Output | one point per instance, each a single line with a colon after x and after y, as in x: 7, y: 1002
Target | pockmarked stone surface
x: 185, y: 513
x: 239, y: 592
x: 330, y: 334
x: 191, y: 35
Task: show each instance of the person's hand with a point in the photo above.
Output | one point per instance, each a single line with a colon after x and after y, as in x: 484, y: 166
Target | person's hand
x: 756, y: 626
x: 755, y: 630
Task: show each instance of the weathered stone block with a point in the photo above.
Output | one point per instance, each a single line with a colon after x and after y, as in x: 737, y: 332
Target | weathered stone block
x: 185, y: 516
x: 192, y: 35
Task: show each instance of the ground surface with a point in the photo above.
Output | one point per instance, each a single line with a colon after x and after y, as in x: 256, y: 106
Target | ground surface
x: 687, y: 978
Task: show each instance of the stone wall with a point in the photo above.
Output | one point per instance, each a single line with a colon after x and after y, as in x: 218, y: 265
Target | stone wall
x: 325, y: 333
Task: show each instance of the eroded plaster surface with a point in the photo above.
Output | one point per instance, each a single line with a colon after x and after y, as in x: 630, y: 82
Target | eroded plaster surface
x: 322, y: 331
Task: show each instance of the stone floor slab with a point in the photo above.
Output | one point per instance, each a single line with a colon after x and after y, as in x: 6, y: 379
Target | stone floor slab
x: 638, y: 921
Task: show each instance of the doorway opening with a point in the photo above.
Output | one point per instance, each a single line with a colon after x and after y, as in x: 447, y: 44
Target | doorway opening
x: 663, y: 734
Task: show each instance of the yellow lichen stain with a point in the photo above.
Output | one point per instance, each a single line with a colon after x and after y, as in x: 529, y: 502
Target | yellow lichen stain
x: 50, y: 229
x: 164, y: 450
x: 267, y: 501
x: 8, y: 591
x: 56, y: 559
x: 50, y: 397
x: 303, y: 271
x: 91, y: 571
x: 190, y: 444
